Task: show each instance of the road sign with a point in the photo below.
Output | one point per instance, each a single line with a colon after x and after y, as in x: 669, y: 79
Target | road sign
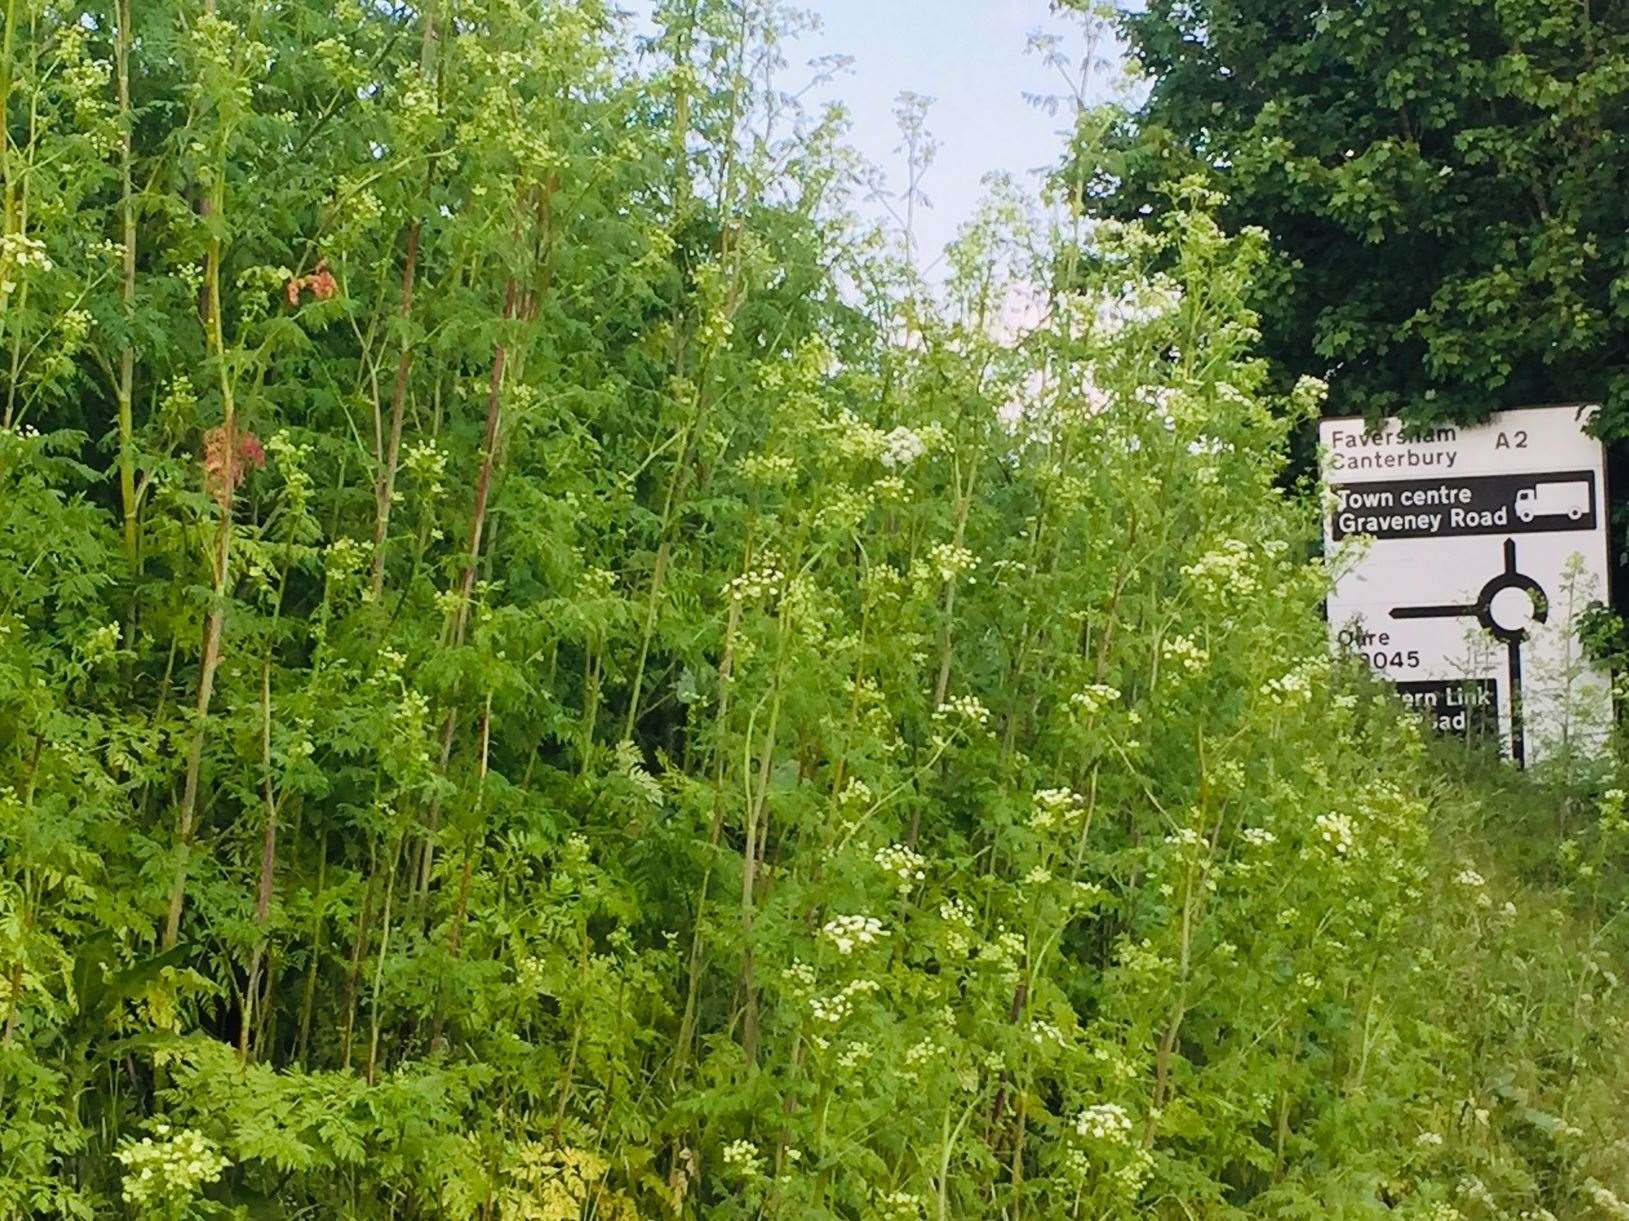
x: 1463, y: 558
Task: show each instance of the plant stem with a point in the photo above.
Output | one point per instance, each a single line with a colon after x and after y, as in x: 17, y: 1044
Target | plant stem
x: 127, y: 296
x: 268, y: 854
x: 220, y: 567
x: 472, y: 557
x: 385, y: 491
x: 319, y: 926
x: 379, y: 964
x: 757, y: 832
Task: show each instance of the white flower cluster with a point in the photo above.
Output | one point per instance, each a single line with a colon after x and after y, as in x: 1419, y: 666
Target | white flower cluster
x: 833, y: 1009
x: 72, y: 327
x: 1309, y: 391
x: 889, y: 487
x: 1003, y: 569
x: 754, y: 584
x: 800, y: 976
x: 102, y: 643
x: 1135, y: 1172
x: 1152, y: 298
x: 1429, y: 1140
x: 1258, y: 837
x: 1106, y: 1121
x: 1093, y: 699
x: 742, y: 1157
x: 1045, y: 1032
x: 854, y: 1055
x: 1607, y: 1200
x: 1087, y: 893
x: 853, y: 438
x: 855, y: 793
x: 1475, y: 1190
x: 905, y: 863
x: 1118, y: 1066
x: 882, y: 583
x: 1225, y: 571
x: 1612, y: 820
x: 769, y: 469
x: 1185, y: 837
x: 427, y: 463
x: 1093, y: 398
x: 1007, y: 952
x: 23, y: 251
x: 1183, y: 651
x: 174, y: 1167
x: 959, y: 919
x: 950, y: 560
x: 1052, y: 808
x: 1470, y: 879
x: 926, y: 1051
x: 1288, y: 689
x: 1141, y: 959
x: 345, y: 557
x: 531, y: 975
x: 716, y: 328
x: 412, y: 712
x: 902, y: 447
x: 963, y: 707
x: 844, y: 509
x: 900, y: 1206
x: 595, y: 582
x: 1161, y: 400
x: 1337, y: 831
x: 417, y: 101
x: 360, y: 209
x: 849, y: 932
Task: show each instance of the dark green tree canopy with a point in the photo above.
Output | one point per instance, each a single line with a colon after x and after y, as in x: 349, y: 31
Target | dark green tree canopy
x: 1443, y: 182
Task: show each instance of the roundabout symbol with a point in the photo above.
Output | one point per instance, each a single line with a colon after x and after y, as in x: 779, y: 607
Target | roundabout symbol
x: 1508, y: 605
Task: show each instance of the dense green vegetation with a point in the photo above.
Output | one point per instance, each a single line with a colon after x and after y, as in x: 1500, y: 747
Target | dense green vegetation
x: 543, y: 676
x: 1443, y: 183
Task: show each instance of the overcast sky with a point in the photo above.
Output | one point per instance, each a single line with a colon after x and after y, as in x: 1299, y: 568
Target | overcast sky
x: 970, y: 56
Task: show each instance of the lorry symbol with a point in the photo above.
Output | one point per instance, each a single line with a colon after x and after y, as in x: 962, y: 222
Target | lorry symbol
x: 1553, y: 499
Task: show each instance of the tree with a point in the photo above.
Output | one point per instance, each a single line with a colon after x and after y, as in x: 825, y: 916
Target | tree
x: 1443, y: 184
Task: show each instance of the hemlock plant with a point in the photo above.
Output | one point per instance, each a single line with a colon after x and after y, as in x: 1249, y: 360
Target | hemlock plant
x: 543, y: 675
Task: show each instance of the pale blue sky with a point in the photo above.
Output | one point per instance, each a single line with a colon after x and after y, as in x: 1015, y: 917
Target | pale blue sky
x: 970, y: 56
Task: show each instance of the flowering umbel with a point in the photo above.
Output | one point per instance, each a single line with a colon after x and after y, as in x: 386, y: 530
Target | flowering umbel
x: 228, y: 455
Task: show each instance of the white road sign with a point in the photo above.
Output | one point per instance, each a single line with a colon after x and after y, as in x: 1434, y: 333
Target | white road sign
x: 1463, y: 558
